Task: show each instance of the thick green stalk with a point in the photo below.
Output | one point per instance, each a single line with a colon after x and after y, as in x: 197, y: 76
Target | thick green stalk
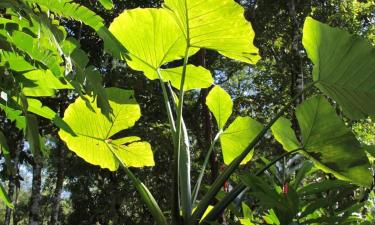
x: 167, y: 105
x: 205, y: 162
x: 146, y: 195
x: 219, y: 207
x: 216, y: 186
x: 182, y: 152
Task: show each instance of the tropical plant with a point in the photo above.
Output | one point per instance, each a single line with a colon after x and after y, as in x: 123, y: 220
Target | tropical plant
x: 37, y: 59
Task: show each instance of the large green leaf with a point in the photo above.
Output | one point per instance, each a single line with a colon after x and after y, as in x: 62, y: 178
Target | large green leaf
x: 196, y: 77
x: 216, y: 24
x: 95, y: 132
x: 237, y: 137
x: 327, y: 141
x: 220, y: 104
x: 343, y: 67
x: 283, y: 132
x: 152, y: 38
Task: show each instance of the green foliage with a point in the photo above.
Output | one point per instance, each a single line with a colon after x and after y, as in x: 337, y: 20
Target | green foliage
x: 343, y: 67
x: 237, y: 137
x: 40, y: 59
x: 206, y: 27
x: 220, y: 104
x: 327, y: 141
x: 94, y: 132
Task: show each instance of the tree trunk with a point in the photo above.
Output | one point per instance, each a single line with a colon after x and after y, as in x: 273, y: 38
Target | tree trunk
x: 59, y: 185
x: 34, y: 218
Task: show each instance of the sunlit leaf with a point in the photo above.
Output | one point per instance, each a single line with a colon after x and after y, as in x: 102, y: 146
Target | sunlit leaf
x: 196, y: 77
x: 42, y: 83
x: 220, y: 104
x: 283, y: 132
x: 237, y: 137
x: 107, y: 4
x: 152, y: 38
x: 216, y: 24
x: 95, y: 132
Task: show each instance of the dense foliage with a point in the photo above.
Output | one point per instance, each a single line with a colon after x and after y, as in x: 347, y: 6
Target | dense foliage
x: 184, y: 112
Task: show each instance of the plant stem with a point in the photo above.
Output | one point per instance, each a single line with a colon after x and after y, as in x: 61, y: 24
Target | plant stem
x: 216, y: 211
x: 146, y: 195
x: 203, y: 204
x: 167, y: 105
x: 183, y: 158
x: 201, y: 174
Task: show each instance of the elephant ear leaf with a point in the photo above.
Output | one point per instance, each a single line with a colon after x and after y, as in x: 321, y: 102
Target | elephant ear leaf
x: 326, y: 141
x: 152, y: 38
x: 239, y: 134
x: 283, y: 132
x: 136, y: 29
x: 343, y: 67
x: 220, y: 104
x: 94, y: 140
x: 219, y: 25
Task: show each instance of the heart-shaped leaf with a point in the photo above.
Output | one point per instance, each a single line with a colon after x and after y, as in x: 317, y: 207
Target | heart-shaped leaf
x: 220, y: 104
x: 327, y: 141
x: 344, y: 67
x: 93, y: 141
x: 237, y: 137
x: 218, y: 25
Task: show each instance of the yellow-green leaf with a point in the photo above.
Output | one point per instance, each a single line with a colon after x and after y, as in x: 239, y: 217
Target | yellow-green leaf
x: 237, y: 137
x: 220, y: 104
x: 216, y: 24
x: 196, y: 77
x: 152, y: 38
x: 95, y: 132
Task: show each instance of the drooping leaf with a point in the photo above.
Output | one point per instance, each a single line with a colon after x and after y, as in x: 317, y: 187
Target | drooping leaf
x: 283, y: 132
x: 343, y: 67
x: 107, y: 4
x: 42, y: 83
x: 35, y: 106
x: 71, y: 10
x: 4, y: 197
x: 32, y: 47
x: 15, y: 62
x: 14, y: 115
x: 196, y: 77
x: 216, y: 24
x: 32, y: 134
x: 330, y: 144
x: 220, y: 104
x: 94, y: 132
x: 237, y: 137
x: 152, y: 38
